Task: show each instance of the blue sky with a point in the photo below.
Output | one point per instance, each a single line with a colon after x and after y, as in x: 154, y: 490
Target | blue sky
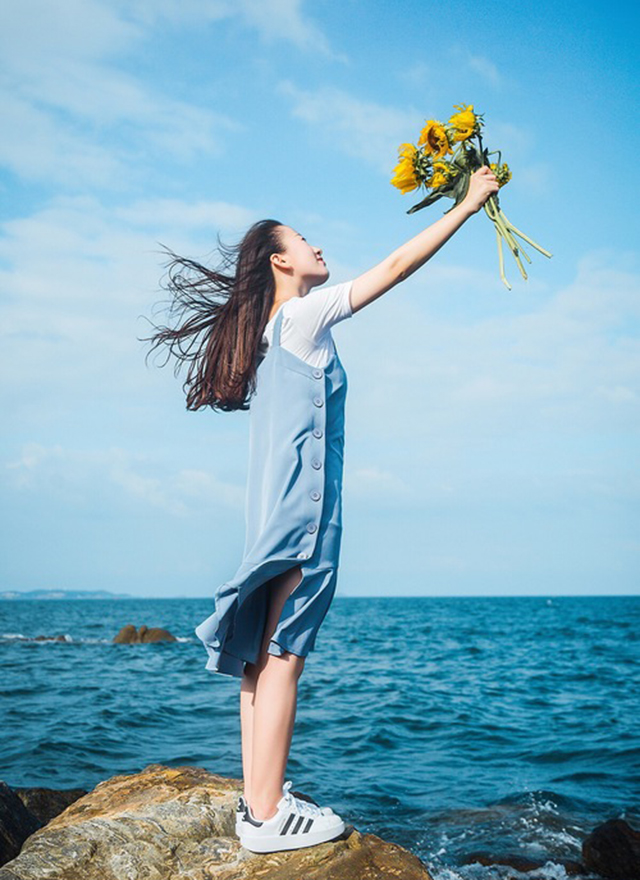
x: 492, y: 435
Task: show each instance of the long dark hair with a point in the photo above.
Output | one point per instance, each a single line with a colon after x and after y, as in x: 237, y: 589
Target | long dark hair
x: 218, y: 319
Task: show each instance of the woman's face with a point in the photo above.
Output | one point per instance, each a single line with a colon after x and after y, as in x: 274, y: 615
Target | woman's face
x: 305, y: 259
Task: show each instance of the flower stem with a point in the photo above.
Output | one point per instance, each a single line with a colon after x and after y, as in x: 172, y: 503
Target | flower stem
x: 498, y: 218
x: 527, y: 239
x: 500, y: 235
x: 501, y: 258
x: 517, y: 246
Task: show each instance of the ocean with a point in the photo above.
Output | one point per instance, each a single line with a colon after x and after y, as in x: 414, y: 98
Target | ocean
x: 452, y: 726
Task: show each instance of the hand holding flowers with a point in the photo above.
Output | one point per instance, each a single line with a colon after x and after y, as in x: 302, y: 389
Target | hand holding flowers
x: 467, y: 177
x: 482, y: 183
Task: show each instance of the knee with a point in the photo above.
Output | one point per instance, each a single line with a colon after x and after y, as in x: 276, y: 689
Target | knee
x: 288, y: 663
x: 297, y: 662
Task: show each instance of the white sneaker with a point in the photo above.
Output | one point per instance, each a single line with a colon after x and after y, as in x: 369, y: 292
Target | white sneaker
x: 296, y: 824
x: 241, y: 806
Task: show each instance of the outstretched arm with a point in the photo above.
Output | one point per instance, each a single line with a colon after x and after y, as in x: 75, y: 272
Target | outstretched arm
x: 404, y: 261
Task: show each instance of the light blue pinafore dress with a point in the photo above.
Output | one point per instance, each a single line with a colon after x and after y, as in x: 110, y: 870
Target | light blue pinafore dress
x: 293, y: 511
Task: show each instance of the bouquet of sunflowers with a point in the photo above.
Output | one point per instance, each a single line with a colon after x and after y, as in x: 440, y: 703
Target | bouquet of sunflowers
x: 434, y: 164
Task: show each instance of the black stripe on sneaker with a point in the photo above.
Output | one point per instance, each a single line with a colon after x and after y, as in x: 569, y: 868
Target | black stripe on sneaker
x: 307, y: 826
x: 298, y: 824
x: 287, y: 824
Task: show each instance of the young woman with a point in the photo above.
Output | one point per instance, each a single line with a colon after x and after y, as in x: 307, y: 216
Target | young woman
x: 266, y: 345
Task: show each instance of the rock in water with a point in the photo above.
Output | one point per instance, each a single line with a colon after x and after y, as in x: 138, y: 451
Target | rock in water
x: 178, y: 823
x: 129, y: 635
x: 613, y: 850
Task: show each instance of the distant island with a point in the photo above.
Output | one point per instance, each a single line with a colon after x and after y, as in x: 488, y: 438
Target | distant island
x: 9, y: 595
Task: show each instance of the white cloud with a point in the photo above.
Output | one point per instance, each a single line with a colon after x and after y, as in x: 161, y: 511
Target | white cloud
x: 273, y: 20
x: 532, y: 363
x: 534, y: 405
x: 72, y: 117
x: 36, y: 34
x: 175, y: 214
x: 511, y: 416
x: 363, y: 129
x: 374, y: 482
x: 77, y: 275
x: 372, y: 132
x: 480, y: 66
x: 84, y: 128
x: 487, y: 69
x: 93, y: 29
x: 418, y: 75
x: 37, y: 146
x: 276, y: 20
x: 508, y: 137
x: 89, y: 478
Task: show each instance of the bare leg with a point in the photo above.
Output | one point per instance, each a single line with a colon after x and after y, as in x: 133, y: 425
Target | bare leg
x: 268, y: 697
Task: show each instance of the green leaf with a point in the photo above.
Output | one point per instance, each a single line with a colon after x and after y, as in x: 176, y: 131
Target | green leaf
x: 430, y: 199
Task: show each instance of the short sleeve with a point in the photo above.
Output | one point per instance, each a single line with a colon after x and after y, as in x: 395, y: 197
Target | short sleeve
x: 320, y: 309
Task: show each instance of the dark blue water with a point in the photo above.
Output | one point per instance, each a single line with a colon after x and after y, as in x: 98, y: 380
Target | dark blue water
x: 448, y: 725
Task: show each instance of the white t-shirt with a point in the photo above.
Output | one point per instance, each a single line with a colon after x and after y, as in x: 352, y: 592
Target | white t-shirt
x: 307, y: 321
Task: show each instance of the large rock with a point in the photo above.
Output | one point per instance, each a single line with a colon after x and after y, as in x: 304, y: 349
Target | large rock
x: 179, y: 823
x: 45, y: 803
x: 17, y: 822
x: 24, y: 810
x: 129, y: 635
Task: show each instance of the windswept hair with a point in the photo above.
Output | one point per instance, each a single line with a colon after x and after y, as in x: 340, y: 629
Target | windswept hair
x: 216, y: 318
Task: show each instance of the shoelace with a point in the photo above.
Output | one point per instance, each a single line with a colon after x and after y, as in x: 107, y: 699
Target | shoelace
x: 299, y: 806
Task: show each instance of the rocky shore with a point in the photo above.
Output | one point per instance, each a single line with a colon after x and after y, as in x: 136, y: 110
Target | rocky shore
x: 179, y: 823
x: 169, y: 822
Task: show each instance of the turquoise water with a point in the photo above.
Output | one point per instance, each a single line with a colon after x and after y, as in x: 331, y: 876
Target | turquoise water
x: 448, y: 725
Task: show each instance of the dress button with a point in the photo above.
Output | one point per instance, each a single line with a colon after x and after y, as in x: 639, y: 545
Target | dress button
x: 318, y: 401
x: 316, y: 463
x: 315, y: 495
x: 311, y: 528
x: 303, y: 555
x: 317, y: 432
x: 317, y: 374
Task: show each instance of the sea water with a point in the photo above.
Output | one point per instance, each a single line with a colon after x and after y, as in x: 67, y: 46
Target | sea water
x: 452, y: 726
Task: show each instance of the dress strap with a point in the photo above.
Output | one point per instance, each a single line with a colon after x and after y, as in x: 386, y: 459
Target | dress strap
x: 276, y: 327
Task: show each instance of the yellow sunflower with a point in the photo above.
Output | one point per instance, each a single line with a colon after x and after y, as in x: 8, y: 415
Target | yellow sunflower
x: 435, y: 140
x: 464, y: 122
x: 442, y: 173
x: 502, y: 172
x: 404, y: 177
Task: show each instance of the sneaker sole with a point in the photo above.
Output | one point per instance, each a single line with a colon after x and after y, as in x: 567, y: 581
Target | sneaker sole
x: 279, y: 842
